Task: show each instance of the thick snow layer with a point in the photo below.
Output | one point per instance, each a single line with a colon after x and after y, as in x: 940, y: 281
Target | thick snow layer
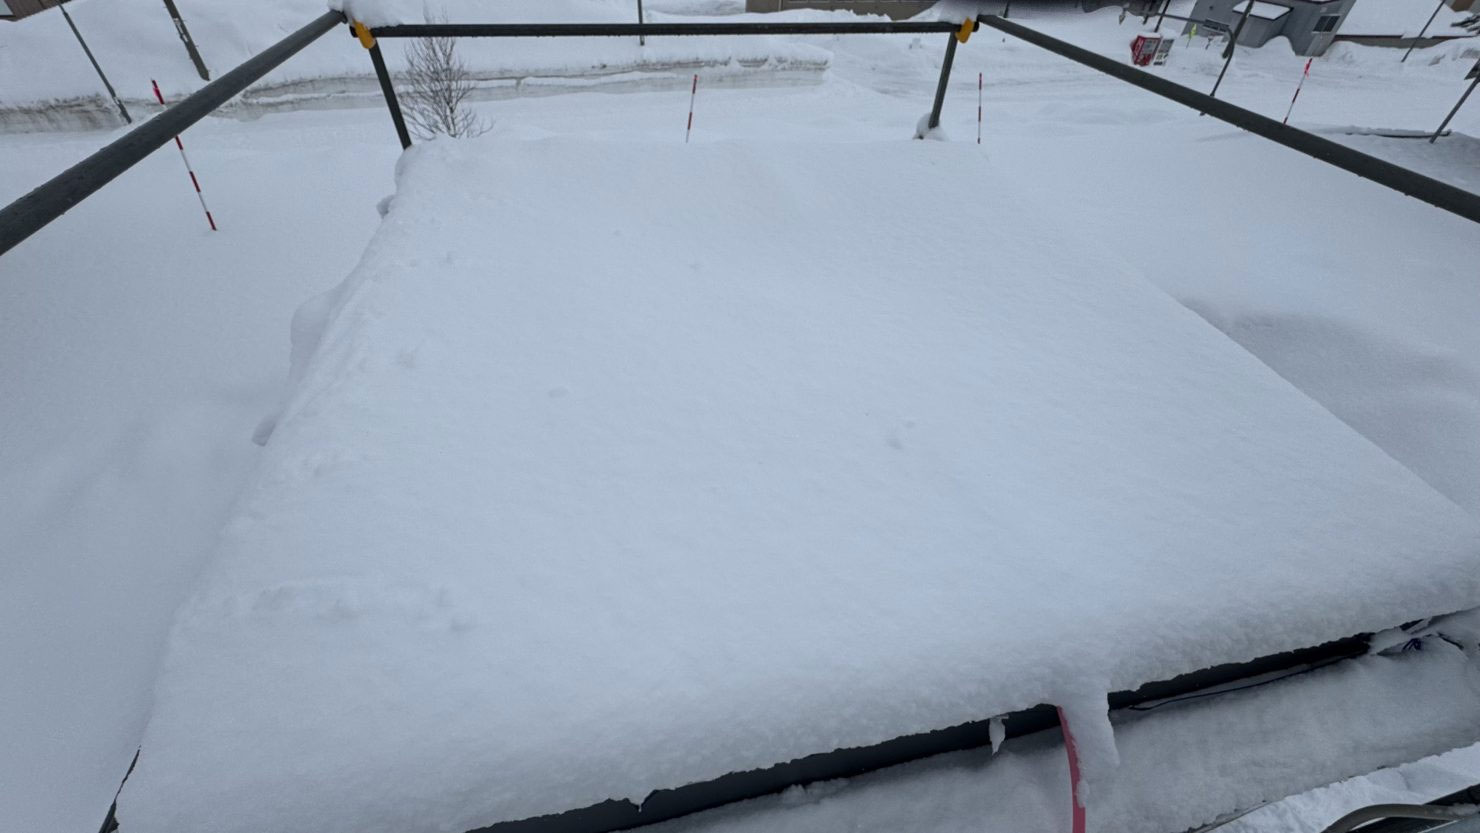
x: 602, y: 483
x: 391, y: 12
x: 135, y: 392
x: 1182, y: 765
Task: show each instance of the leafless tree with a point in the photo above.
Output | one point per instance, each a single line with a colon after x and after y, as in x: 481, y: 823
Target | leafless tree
x: 440, y: 84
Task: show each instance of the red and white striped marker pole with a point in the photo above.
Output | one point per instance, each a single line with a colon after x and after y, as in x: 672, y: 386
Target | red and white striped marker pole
x: 1076, y: 801
x: 1303, y: 76
x: 693, y: 92
x: 979, y: 81
x: 193, y: 180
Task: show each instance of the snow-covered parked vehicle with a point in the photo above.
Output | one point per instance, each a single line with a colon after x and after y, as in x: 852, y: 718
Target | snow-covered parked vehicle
x: 605, y: 504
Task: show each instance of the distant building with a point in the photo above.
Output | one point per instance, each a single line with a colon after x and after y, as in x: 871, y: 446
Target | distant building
x: 1310, y: 25
x: 17, y: 9
x: 894, y: 8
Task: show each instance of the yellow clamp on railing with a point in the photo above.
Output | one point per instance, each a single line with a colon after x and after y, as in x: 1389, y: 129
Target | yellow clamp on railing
x: 367, y: 40
x: 964, y: 33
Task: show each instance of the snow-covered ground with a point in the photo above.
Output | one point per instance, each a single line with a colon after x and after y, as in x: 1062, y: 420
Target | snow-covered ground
x: 146, y: 349
x: 50, y: 84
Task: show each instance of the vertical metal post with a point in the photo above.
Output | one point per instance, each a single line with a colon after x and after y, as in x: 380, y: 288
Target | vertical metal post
x: 122, y: 110
x: 641, y: 39
x: 1006, y: 10
x: 1422, y: 32
x: 1232, y: 42
x: 200, y: 65
x: 1163, y: 15
x: 1457, y: 105
x: 945, y: 78
x: 391, y: 102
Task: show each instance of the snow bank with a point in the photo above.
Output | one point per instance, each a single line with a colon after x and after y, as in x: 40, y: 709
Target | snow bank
x: 598, y: 484
x: 135, y: 41
x: 392, y: 12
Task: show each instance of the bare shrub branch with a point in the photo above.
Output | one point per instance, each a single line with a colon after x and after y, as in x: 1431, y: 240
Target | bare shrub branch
x: 439, y: 85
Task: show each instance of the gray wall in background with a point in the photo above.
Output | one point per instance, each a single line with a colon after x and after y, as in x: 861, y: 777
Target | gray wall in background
x: 894, y: 8
x: 1298, y: 25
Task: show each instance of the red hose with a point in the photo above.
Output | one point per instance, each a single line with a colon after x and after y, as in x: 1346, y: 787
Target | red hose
x: 1072, y: 749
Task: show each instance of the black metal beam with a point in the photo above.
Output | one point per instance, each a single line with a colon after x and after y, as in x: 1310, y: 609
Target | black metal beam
x: 599, y: 30
x: 387, y: 89
x: 945, y: 80
x: 112, y: 93
x: 31, y: 213
x: 184, y: 32
x: 1439, y: 194
x: 1468, y: 795
x: 1457, y: 105
x: 665, y: 805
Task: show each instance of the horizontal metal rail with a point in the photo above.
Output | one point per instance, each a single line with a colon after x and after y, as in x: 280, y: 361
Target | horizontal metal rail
x: 1432, y: 191
x: 665, y: 805
x: 1393, y: 823
x: 1416, y: 812
x: 34, y: 211
x: 600, y: 30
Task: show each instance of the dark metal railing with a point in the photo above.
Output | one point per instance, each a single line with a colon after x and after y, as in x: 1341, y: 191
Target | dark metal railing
x: 369, y: 35
x: 651, y: 30
x: 31, y: 213
x: 1432, y: 191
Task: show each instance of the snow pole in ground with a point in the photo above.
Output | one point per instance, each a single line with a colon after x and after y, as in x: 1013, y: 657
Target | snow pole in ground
x: 117, y: 102
x: 1304, y: 75
x: 1076, y: 801
x: 184, y: 33
x: 1232, y: 46
x: 1475, y: 80
x: 980, y: 78
x: 693, y: 93
x: 1422, y: 32
x: 188, y: 169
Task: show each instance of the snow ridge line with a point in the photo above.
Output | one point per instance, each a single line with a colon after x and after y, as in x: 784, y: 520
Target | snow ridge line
x: 362, y: 91
x: 665, y: 805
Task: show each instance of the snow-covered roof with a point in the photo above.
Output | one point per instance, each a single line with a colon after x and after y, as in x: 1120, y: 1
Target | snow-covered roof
x: 1266, y: 11
x: 599, y: 484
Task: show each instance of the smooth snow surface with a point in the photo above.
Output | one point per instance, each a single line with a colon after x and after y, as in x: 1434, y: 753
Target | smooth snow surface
x: 1400, y: 17
x: 624, y: 464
